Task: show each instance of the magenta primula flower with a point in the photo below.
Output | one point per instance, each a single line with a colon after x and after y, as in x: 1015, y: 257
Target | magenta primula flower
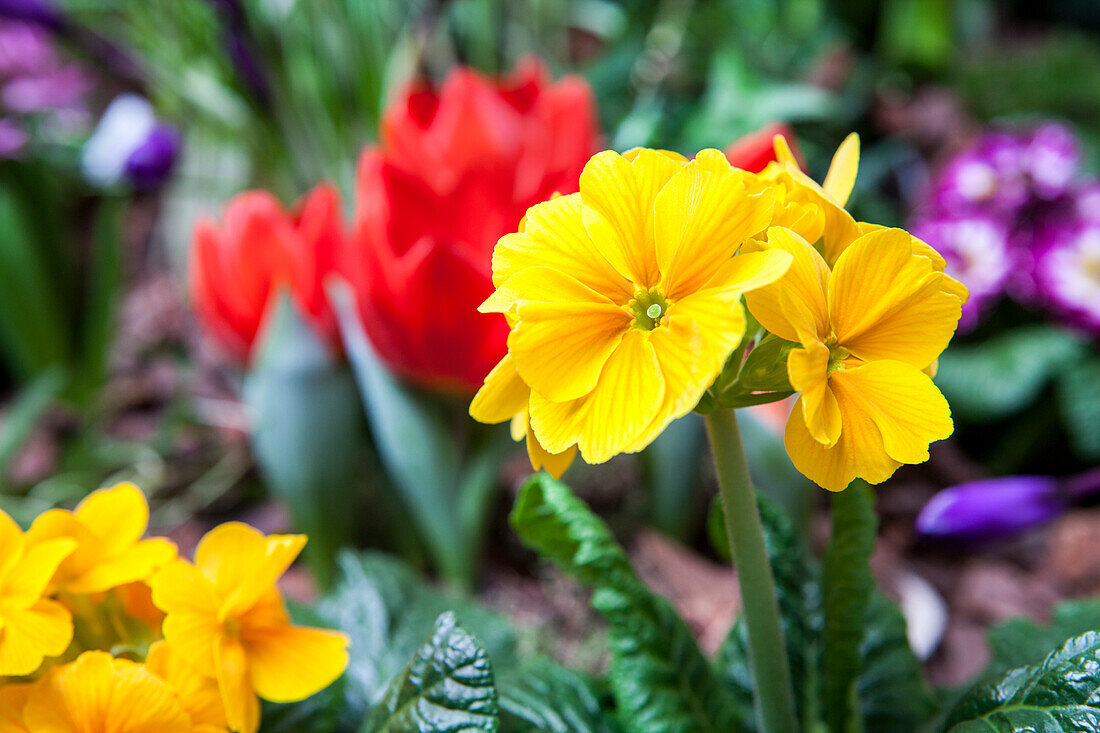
x: 1067, y: 273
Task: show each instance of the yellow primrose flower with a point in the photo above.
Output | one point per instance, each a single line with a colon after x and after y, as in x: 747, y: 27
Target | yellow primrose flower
x: 13, y: 698
x: 197, y: 694
x: 225, y: 614
x: 624, y: 300
x: 107, y: 526
x: 105, y: 695
x: 31, y: 627
x: 867, y: 329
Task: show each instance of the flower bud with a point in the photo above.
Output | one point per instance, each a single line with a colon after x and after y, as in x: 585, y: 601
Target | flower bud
x: 992, y: 508
x: 130, y: 146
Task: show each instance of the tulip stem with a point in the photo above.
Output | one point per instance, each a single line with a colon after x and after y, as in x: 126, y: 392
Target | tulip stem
x: 774, y: 698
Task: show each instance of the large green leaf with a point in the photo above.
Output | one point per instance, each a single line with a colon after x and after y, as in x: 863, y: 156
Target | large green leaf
x: 1005, y: 373
x: 447, y: 687
x: 1020, y: 641
x: 98, y: 316
x: 1061, y: 694
x: 846, y: 593
x: 660, y: 679
x: 544, y: 697
x: 307, y: 433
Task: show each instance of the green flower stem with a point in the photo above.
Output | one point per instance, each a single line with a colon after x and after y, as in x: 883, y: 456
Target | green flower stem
x: 767, y: 647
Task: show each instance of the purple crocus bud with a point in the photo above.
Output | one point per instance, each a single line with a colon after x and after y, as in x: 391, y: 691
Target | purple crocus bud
x: 977, y: 253
x: 1051, y: 159
x: 992, y: 508
x: 42, y: 12
x: 988, y: 178
x: 150, y: 164
x: 130, y: 146
x: 1067, y: 273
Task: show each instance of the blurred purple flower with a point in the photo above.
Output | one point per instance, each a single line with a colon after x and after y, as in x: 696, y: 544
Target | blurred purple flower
x: 1067, y: 273
x: 987, y: 178
x: 129, y: 145
x: 992, y: 508
x: 1051, y: 160
x: 999, y: 507
x: 41, y: 12
x: 977, y: 254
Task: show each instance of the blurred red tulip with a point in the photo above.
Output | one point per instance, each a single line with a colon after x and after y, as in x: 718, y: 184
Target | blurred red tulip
x: 754, y: 151
x: 258, y: 249
x: 457, y: 169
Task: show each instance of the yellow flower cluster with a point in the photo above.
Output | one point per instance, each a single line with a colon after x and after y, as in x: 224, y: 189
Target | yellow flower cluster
x: 102, y: 630
x: 625, y: 304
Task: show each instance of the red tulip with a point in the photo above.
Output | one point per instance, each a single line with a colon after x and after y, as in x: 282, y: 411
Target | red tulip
x: 457, y: 168
x: 258, y: 249
x: 754, y: 151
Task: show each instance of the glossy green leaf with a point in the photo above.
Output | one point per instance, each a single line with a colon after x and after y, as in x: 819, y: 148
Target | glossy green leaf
x: 1060, y: 694
x: 1006, y: 373
x: 544, y: 697
x: 660, y: 679
x: 765, y: 369
x: 447, y: 688
x: 846, y: 593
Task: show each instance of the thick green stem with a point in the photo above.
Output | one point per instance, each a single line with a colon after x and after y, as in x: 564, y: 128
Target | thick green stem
x: 767, y: 648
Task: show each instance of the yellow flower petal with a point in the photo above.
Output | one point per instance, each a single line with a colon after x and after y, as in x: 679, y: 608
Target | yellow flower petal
x: 906, y: 407
x: 609, y: 419
x: 191, y: 623
x: 290, y: 663
x: 618, y: 197
x: 857, y: 453
x: 540, y: 285
x: 197, y: 693
x: 751, y: 270
x: 117, y: 516
x: 783, y: 151
x: 808, y: 371
x: 242, y: 708
x: 27, y: 581
x: 97, y: 693
x: 554, y: 236
x: 13, y: 698
x: 11, y: 545
x: 798, y: 299
x: 134, y: 564
x: 701, y: 219
x: 503, y: 395
x: 919, y: 246
x: 842, y: 171
x: 559, y: 349
x: 887, y: 303
x: 554, y: 464
x: 243, y: 564
x: 31, y: 634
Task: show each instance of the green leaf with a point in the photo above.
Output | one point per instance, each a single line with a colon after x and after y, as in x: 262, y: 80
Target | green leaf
x: 100, y: 310
x: 765, y: 369
x: 308, y: 434
x: 448, y: 686
x: 1020, y: 641
x: 798, y: 597
x: 544, y: 697
x: 846, y: 592
x: 413, y: 442
x: 1061, y: 694
x: 893, y: 696
x: 1003, y: 375
x: 1079, y: 400
x: 660, y: 679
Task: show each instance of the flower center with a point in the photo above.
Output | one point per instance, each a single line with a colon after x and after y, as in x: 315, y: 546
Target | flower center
x: 232, y: 628
x: 837, y: 354
x: 649, y: 309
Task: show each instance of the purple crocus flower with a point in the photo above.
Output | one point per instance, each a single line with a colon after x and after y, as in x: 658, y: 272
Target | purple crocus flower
x: 1000, y: 507
x: 977, y: 254
x: 990, y: 177
x: 129, y: 145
